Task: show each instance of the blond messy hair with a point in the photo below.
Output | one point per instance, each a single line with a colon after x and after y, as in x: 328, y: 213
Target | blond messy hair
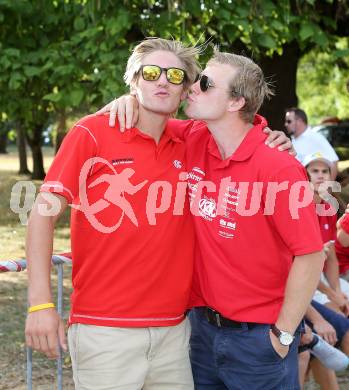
x: 187, y: 55
x: 248, y: 82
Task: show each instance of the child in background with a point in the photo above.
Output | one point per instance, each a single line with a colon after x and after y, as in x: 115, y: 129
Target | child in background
x: 332, y: 291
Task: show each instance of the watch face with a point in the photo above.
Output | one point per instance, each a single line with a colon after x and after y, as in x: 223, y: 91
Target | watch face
x: 286, y: 339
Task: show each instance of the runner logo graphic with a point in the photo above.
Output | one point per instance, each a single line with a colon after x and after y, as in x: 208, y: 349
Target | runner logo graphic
x: 119, y: 184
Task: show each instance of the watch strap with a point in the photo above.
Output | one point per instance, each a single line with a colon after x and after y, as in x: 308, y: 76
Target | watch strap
x: 275, y: 330
x: 285, y: 338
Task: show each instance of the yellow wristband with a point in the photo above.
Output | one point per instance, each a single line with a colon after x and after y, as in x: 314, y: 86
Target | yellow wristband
x: 43, y: 306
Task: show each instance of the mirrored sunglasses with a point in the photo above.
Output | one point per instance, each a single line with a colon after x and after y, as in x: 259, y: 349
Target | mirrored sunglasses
x: 153, y: 72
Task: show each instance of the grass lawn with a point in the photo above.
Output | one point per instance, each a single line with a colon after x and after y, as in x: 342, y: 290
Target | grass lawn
x: 13, y: 291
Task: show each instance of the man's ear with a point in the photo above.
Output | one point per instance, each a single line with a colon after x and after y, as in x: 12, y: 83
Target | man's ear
x: 236, y: 104
x: 133, y: 90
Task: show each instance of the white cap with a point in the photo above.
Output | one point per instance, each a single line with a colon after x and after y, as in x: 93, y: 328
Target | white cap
x: 317, y: 156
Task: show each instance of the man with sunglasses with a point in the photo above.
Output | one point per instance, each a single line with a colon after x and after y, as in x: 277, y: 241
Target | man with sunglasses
x: 256, y: 267
x: 132, y: 257
x: 132, y: 237
x: 306, y: 141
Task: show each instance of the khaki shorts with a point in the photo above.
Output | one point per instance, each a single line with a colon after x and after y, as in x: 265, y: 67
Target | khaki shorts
x: 108, y: 358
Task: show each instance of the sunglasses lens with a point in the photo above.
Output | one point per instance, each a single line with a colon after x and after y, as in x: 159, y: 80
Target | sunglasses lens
x: 175, y: 75
x: 204, y: 83
x: 151, y: 72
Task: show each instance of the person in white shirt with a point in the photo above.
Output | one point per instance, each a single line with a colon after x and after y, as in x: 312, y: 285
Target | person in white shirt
x: 305, y: 141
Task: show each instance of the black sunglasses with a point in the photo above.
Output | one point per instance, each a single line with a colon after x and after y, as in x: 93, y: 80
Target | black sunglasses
x: 206, y: 83
x: 173, y: 75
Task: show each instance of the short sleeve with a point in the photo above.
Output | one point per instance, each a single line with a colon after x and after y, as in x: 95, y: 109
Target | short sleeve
x: 75, y: 154
x: 294, y: 216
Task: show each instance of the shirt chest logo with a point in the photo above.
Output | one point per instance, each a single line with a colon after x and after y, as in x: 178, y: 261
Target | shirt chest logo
x: 177, y: 164
x: 208, y: 208
x: 121, y: 161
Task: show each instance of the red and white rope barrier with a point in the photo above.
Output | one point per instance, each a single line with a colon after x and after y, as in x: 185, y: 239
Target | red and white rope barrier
x: 21, y: 264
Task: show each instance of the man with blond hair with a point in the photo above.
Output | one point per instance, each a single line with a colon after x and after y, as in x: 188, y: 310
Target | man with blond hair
x: 132, y: 237
x: 259, y: 254
x: 132, y: 258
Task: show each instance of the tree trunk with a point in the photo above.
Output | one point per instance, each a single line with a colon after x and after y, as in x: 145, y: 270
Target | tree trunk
x: 38, y: 163
x: 282, y: 71
x: 3, y: 142
x: 35, y: 146
x: 22, y: 151
x: 61, y: 130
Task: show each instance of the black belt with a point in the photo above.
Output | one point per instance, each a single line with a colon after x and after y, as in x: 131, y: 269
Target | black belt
x: 215, y: 318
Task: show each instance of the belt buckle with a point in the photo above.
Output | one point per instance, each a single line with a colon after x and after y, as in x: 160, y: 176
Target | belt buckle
x: 218, y: 320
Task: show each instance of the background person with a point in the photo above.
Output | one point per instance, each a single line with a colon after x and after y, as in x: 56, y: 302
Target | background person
x: 332, y: 291
x: 306, y: 141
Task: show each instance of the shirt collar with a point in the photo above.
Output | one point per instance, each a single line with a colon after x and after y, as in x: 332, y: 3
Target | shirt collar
x: 248, y: 145
x: 168, y: 135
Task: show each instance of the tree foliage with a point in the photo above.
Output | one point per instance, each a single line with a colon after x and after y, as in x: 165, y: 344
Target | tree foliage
x: 321, y: 83
x: 60, y: 57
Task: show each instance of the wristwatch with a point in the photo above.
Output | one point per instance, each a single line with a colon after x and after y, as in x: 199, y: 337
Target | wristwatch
x: 285, y: 338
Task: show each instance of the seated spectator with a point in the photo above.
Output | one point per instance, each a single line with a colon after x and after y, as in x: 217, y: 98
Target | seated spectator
x: 328, y: 355
x: 332, y: 291
x: 328, y: 359
x: 332, y: 328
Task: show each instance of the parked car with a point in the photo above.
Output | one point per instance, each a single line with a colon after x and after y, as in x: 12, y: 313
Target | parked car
x: 336, y: 133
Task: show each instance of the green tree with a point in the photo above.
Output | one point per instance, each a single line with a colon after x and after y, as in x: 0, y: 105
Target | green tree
x: 56, y: 55
x: 26, y: 66
x: 64, y: 57
x: 275, y: 33
x: 321, y: 83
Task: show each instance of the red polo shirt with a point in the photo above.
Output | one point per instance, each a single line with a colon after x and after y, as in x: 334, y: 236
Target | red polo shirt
x: 132, y: 239
x: 242, y: 261
x: 341, y: 251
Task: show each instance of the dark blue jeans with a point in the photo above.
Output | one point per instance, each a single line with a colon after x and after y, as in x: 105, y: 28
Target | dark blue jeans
x: 239, y: 359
